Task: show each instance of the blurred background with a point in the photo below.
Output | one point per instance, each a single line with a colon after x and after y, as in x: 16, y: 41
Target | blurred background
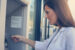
x: 26, y: 18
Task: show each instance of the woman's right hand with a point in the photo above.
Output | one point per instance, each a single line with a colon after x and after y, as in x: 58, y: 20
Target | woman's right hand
x: 18, y: 38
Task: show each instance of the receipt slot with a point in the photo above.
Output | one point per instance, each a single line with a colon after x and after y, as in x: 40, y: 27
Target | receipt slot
x: 16, y: 22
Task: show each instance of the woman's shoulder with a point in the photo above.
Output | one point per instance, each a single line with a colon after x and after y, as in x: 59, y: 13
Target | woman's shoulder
x: 69, y: 31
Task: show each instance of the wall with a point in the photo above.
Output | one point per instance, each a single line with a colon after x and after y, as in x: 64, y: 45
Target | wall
x: 2, y: 22
x: 72, y: 7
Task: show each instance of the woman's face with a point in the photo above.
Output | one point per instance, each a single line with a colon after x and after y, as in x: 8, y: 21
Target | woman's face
x: 51, y: 15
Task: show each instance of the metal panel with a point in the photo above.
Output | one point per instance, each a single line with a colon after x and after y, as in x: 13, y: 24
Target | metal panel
x: 12, y: 29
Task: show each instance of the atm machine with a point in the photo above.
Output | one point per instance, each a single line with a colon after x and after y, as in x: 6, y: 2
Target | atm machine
x: 16, y: 22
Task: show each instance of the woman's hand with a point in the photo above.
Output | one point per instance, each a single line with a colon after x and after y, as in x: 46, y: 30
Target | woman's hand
x: 18, y: 38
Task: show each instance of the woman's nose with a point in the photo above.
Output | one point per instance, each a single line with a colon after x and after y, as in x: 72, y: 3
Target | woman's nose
x: 45, y: 16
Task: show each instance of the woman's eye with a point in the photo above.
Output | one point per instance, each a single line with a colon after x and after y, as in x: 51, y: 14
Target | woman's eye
x: 47, y: 12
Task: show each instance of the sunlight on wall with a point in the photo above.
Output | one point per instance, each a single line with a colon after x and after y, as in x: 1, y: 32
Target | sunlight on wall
x: 72, y: 7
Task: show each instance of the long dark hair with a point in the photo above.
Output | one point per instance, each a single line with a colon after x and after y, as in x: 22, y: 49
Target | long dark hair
x: 62, y: 10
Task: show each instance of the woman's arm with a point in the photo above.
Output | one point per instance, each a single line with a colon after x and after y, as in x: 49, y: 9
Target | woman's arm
x: 29, y: 42
x: 35, y: 44
x: 18, y: 38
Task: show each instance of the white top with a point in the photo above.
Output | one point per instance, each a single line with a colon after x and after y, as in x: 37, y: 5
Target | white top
x: 64, y: 40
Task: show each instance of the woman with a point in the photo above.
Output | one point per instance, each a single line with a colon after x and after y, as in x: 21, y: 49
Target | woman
x: 58, y: 14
